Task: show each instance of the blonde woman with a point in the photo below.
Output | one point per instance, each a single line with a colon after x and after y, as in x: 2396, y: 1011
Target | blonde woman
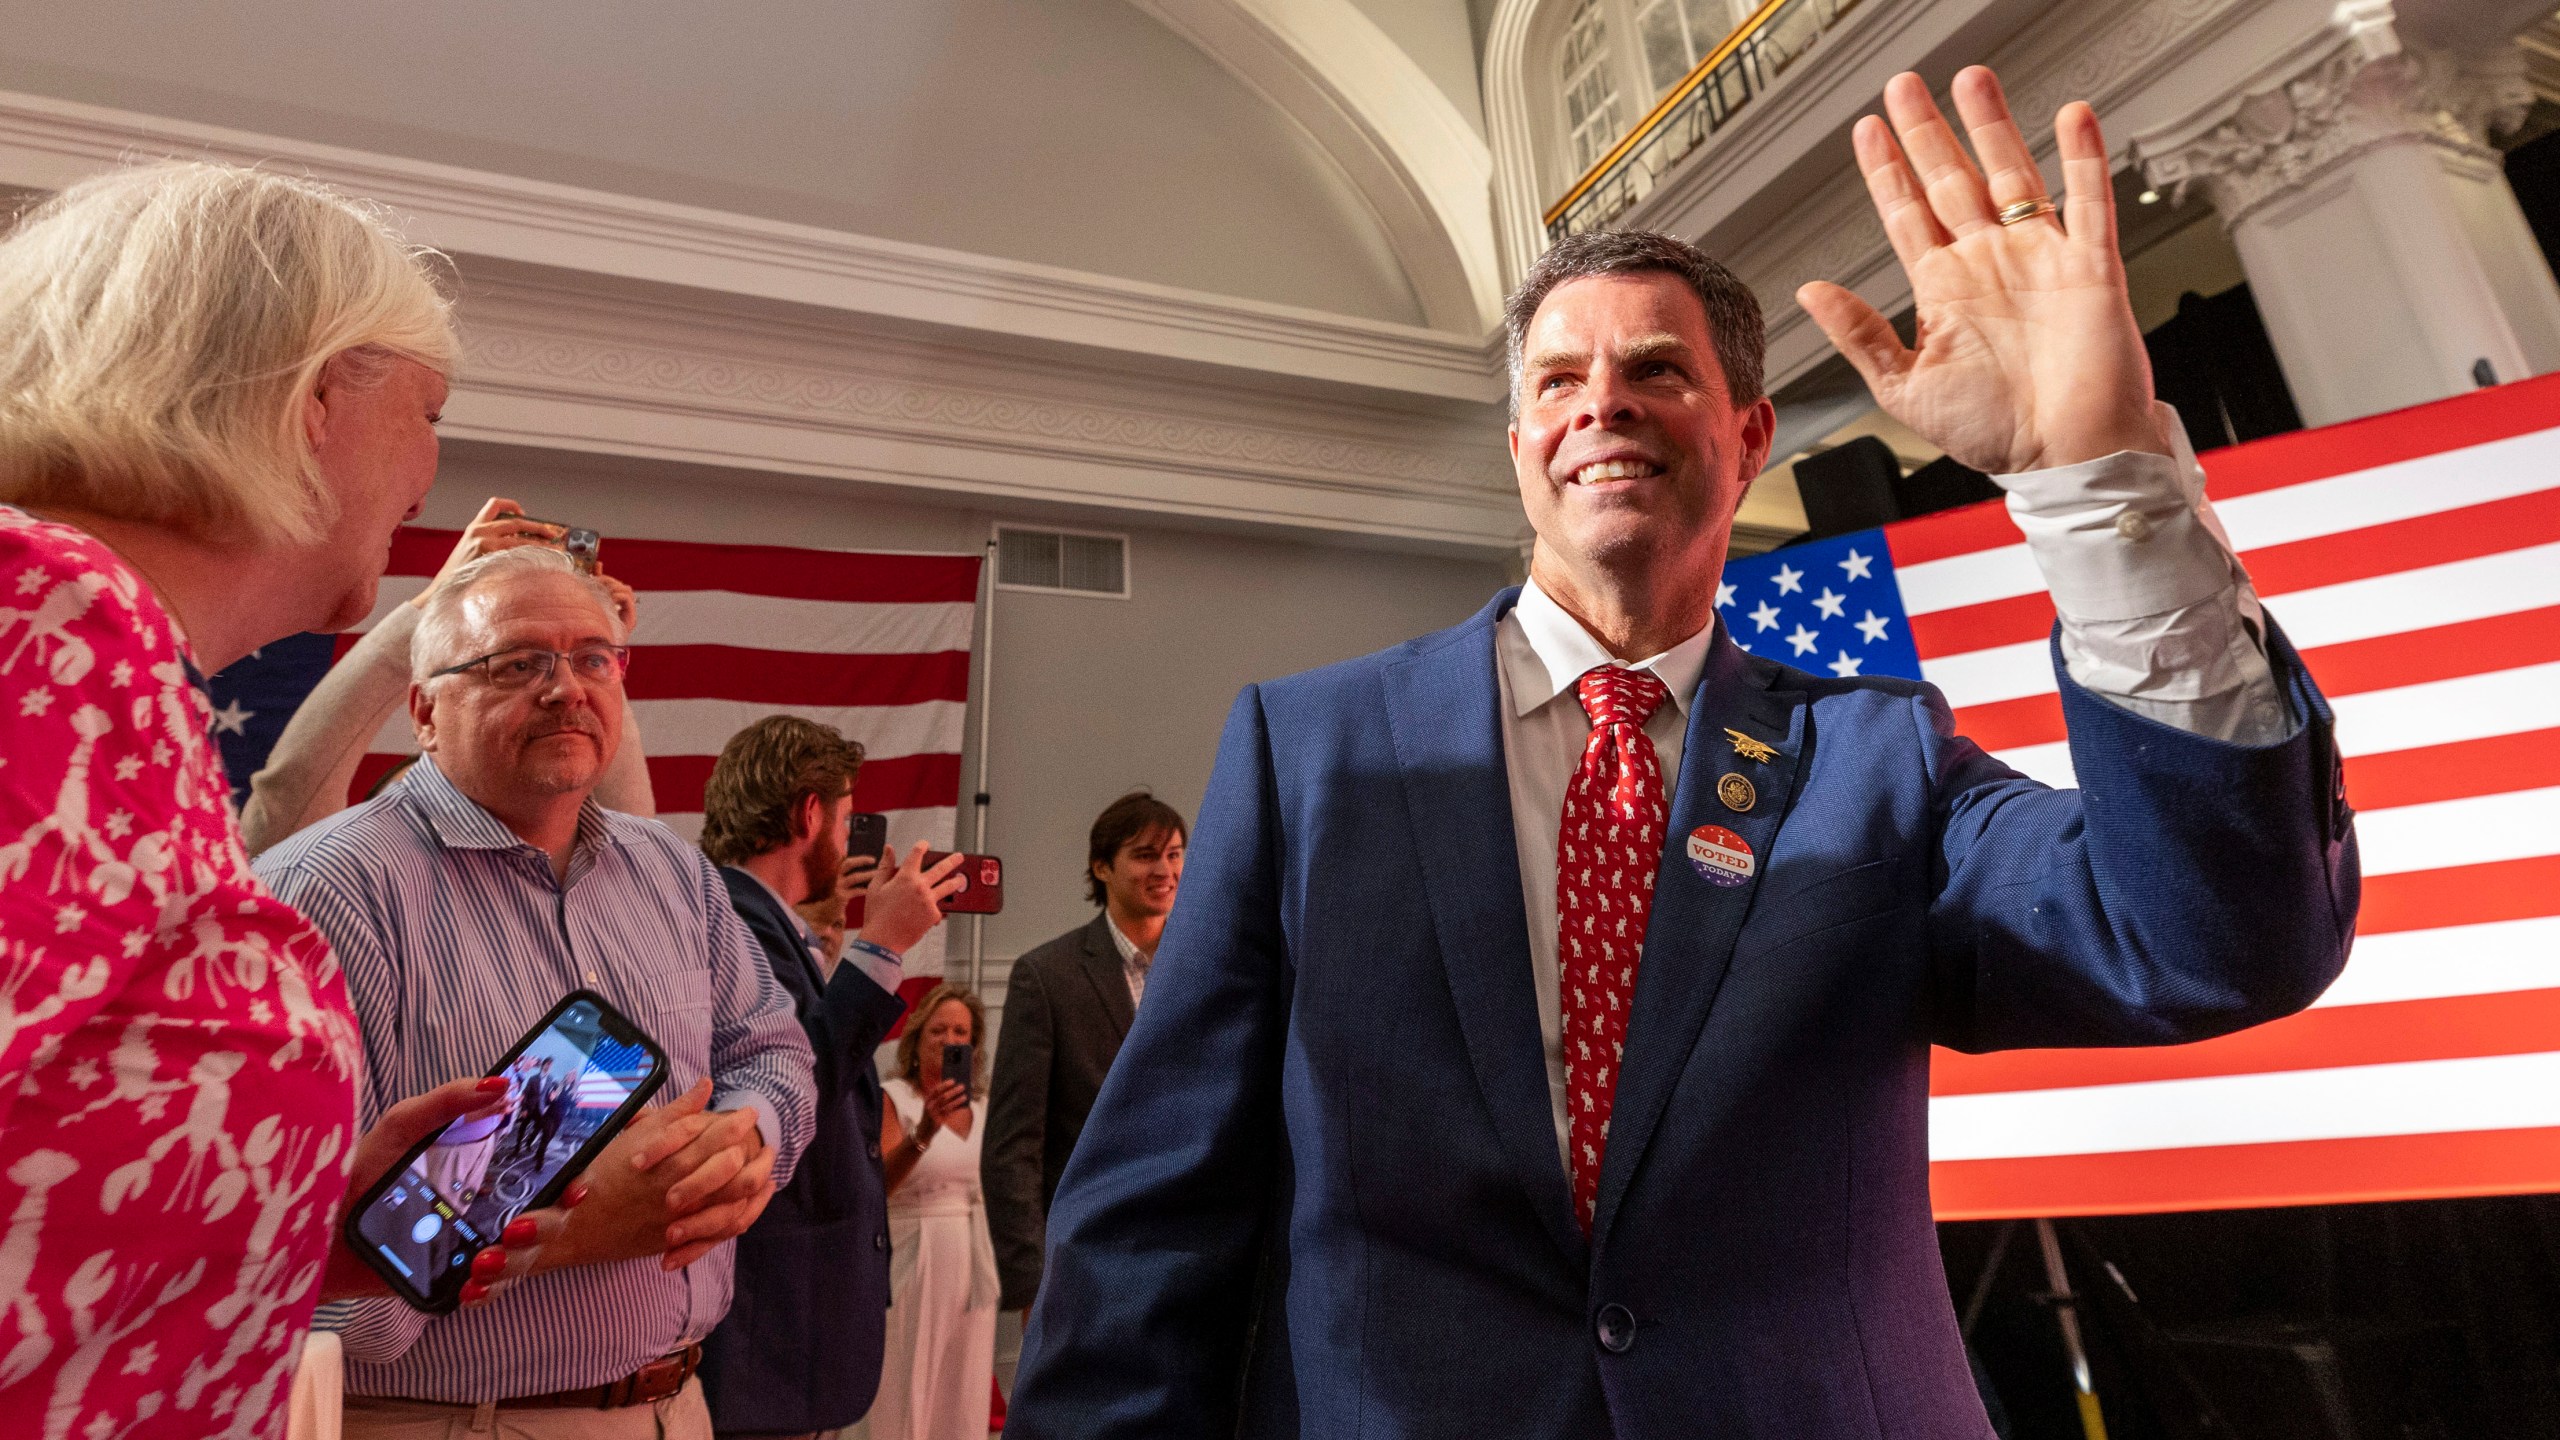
x: 939, y: 1374
x: 218, y: 393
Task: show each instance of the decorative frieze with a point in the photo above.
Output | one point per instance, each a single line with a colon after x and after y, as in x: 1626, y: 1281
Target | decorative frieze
x: 2358, y: 88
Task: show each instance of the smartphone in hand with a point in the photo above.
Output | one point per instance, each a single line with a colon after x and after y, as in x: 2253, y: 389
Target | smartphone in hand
x: 573, y: 1082
x: 981, y: 889
x: 956, y: 1060
x: 866, y: 834
x: 584, y: 547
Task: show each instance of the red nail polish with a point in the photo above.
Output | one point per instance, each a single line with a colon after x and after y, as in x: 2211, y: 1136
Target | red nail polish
x: 488, y: 1264
x: 574, y: 1196
x: 493, y: 1085
x: 473, y: 1292
x: 520, y: 1231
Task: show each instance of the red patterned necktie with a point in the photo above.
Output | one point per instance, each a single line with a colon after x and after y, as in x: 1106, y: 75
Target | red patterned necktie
x: 1606, y: 852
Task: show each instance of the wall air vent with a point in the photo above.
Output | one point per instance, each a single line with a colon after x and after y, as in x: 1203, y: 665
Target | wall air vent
x: 1074, y: 562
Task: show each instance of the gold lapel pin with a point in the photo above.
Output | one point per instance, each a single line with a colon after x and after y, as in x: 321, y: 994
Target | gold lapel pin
x: 1750, y: 749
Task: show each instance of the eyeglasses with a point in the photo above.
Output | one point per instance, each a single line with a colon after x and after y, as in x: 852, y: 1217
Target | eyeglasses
x: 523, y: 669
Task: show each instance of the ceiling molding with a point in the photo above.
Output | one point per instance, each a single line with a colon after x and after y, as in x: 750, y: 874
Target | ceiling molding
x: 46, y: 143
x: 2470, y: 25
x: 1367, y: 105
x: 1511, y: 119
x: 555, y: 366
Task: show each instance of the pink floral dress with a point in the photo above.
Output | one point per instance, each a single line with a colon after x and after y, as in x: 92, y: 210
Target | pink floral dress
x: 177, y: 1056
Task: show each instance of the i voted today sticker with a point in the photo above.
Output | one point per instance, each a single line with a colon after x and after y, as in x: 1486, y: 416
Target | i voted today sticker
x: 1723, y: 857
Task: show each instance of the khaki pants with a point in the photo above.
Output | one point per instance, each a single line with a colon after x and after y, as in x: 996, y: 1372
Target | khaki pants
x: 683, y: 1416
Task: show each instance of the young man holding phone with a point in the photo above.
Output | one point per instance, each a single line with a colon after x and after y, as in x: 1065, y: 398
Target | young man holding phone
x: 800, y: 1350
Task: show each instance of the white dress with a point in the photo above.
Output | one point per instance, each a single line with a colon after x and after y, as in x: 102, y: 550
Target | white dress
x: 939, y: 1371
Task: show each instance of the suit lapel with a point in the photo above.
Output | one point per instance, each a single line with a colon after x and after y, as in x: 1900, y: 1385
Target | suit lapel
x: 1689, y: 940
x: 1444, y: 712
x: 1109, y: 977
x: 780, y: 916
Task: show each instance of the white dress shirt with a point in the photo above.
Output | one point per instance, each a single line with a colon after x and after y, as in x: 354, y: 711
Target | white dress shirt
x: 2157, y: 616
x: 1135, y: 962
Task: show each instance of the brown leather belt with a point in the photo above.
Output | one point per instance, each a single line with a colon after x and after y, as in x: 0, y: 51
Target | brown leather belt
x: 660, y: 1379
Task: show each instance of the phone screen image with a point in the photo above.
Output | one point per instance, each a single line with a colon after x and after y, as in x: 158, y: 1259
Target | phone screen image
x: 455, y: 1195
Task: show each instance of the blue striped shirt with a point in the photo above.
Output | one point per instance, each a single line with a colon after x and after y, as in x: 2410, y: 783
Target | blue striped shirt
x: 455, y: 939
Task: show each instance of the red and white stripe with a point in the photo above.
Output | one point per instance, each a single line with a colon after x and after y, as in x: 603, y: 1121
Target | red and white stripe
x: 876, y: 645
x: 2414, y: 559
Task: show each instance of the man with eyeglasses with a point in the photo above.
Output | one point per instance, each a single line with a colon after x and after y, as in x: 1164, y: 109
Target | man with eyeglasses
x: 462, y: 903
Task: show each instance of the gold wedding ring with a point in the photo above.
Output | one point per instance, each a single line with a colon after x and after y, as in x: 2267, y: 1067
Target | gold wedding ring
x: 2025, y: 210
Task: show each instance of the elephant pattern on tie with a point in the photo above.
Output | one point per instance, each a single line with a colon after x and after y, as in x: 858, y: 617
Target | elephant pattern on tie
x: 177, y: 1054
x: 1607, y: 850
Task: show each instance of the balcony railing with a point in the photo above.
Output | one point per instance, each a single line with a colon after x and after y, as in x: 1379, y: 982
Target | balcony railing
x: 1749, y: 61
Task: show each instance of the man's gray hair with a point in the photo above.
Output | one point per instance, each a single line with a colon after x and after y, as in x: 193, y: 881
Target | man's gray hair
x: 444, y: 632
x: 1734, y: 323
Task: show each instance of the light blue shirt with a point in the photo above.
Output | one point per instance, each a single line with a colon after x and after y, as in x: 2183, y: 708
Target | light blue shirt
x: 455, y: 938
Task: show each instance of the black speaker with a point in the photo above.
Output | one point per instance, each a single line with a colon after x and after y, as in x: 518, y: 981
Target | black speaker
x: 1849, y: 488
x: 2214, y: 362
x: 1942, y: 484
x: 2326, y: 1379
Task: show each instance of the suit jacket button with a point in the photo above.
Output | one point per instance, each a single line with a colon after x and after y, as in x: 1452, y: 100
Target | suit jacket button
x: 880, y: 1241
x: 1617, y: 1329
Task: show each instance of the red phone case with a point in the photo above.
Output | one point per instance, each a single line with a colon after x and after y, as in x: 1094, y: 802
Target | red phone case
x: 981, y: 891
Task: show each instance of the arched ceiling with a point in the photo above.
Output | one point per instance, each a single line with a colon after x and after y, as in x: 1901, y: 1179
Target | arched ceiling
x: 1416, y: 157
x: 1075, y: 133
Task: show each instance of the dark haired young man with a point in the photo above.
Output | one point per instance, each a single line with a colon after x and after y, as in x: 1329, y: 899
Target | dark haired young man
x: 1068, y: 1005
x: 799, y: 1352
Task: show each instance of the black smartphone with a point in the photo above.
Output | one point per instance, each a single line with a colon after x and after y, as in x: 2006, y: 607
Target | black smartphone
x: 956, y: 1060
x: 867, y: 833
x: 574, y: 1081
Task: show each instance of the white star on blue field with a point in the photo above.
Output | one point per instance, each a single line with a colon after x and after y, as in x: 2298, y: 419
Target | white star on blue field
x: 1826, y: 606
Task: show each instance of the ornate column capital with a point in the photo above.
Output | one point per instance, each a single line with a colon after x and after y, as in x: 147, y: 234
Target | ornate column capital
x: 2354, y: 86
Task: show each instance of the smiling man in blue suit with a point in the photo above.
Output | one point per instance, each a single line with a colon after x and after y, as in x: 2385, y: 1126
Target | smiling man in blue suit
x: 1542, y: 1046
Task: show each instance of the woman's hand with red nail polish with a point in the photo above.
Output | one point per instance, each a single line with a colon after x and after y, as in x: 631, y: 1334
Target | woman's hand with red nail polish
x: 399, y: 1128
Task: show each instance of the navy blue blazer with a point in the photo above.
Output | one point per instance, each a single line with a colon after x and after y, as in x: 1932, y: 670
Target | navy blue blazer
x: 800, y: 1347
x: 1320, y: 1193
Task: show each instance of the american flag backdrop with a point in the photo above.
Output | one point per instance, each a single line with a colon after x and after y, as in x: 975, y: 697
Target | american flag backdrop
x: 2414, y: 559
x: 876, y: 645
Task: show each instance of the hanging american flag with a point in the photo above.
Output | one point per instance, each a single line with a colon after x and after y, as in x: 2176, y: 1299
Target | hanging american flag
x: 2414, y: 559
x: 876, y: 645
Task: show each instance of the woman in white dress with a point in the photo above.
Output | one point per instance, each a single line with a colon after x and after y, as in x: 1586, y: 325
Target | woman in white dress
x: 939, y: 1373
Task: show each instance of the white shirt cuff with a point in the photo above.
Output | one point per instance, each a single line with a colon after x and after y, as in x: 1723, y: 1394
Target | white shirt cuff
x: 2156, y: 613
x: 883, y: 966
x: 2124, y: 536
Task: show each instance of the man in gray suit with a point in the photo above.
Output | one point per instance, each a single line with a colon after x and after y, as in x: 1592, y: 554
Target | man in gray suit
x: 1067, y: 1006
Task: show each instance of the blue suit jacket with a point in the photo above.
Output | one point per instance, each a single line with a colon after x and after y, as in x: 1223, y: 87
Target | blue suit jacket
x: 801, y: 1345
x: 1320, y: 1193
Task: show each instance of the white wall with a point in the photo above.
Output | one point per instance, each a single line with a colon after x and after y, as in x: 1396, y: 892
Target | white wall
x: 1093, y: 696
x: 1077, y: 133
